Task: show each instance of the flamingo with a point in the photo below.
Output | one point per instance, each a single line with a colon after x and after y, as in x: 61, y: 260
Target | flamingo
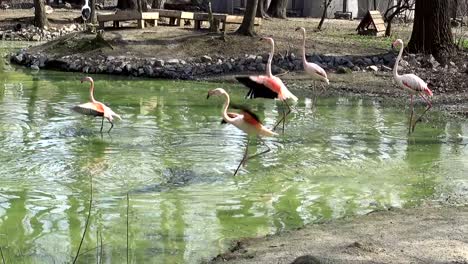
x: 85, y: 12
x: 413, y: 85
x: 96, y: 108
x: 269, y: 86
x: 316, y: 72
x: 246, y: 121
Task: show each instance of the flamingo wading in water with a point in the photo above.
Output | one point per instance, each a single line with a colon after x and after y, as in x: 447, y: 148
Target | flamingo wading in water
x: 269, y: 86
x: 96, y: 108
x: 413, y: 85
x: 246, y: 121
x: 316, y: 72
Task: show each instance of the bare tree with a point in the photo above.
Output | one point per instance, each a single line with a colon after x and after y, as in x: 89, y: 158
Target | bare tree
x: 40, y: 18
x: 431, y: 30
x: 278, y: 8
x: 400, y: 7
x: 247, y: 26
x: 326, y: 4
x: 261, y: 9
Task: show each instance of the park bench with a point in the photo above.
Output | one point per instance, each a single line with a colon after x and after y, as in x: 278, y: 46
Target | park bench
x: 128, y: 16
x: 175, y: 16
x: 225, y: 19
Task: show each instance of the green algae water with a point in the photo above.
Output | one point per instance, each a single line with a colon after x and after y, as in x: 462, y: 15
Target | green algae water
x: 338, y: 157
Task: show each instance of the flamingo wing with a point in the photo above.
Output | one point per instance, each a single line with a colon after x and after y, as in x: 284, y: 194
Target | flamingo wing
x: 316, y: 69
x: 415, y: 84
x: 231, y: 115
x: 249, y: 116
x: 259, y: 87
x: 91, y: 109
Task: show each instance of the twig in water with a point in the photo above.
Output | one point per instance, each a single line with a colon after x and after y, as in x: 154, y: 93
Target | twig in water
x: 100, y: 259
x: 3, y: 258
x: 128, y: 202
x: 97, y: 246
x: 87, y: 220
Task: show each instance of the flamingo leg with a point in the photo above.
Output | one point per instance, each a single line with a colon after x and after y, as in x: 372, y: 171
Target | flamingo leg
x: 102, y: 124
x: 260, y: 153
x: 411, y: 115
x: 244, y: 158
x: 112, y: 125
x: 285, y: 114
x: 429, y: 106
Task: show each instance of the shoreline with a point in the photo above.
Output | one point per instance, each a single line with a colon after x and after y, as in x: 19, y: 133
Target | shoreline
x: 428, y: 234
x: 193, y: 68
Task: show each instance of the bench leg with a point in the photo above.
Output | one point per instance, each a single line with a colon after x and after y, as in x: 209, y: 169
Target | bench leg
x: 172, y: 21
x: 223, y: 28
x: 179, y: 22
x: 197, y: 24
x: 101, y: 24
x: 155, y: 22
x: 116, y: 24
x: 141, y: 23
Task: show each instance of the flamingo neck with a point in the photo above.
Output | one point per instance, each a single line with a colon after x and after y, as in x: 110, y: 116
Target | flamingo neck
x: 395, y: 67
x: 91, y: 92
x: 270, y: 59
x: 304, y: 59
x: 225, y: 107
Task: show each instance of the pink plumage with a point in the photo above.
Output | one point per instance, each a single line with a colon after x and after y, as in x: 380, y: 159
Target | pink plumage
x: 412, y: 84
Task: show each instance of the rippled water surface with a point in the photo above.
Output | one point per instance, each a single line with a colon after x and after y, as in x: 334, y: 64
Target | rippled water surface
x: 170, y: 153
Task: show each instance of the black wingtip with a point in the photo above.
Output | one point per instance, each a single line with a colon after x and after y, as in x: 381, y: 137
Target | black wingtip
x: 256, y: 89
x: 247, y: 110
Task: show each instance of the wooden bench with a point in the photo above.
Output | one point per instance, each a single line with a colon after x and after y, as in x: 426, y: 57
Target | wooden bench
x: 223, y: 18
x: 175, y: 16
x: 127, y: 16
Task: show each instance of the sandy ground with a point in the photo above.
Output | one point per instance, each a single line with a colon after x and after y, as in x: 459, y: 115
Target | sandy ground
x: 423, y: 235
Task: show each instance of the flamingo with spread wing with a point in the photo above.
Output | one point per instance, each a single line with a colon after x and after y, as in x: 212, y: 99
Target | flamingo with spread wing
x: 269, y: 86
x: 246, y: 121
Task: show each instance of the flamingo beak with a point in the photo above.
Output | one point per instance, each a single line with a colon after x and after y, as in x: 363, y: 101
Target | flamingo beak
x: 208, y: 96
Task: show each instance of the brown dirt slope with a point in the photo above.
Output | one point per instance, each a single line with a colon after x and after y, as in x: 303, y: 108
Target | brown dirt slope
x: 424, y: 235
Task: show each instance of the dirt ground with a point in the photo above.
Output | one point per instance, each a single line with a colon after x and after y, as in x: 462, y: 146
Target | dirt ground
x: 167, y: 42
x: 423, y: 235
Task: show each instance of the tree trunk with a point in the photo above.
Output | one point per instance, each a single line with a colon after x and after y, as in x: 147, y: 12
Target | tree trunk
x: 158, y: 4
x: 92, y: 5
x: 278, y: 8
x: 326, y: 4
x: 431, y: 30
x: 40, y: 18
x: 261, y: 9
x: 247, y: 26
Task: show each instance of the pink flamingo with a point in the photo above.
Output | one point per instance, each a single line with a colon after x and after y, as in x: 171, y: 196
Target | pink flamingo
x: 246, y: 121
x: 413, y: 85
x: 269, y: 86
x: 95, y: 108
x: 316, y: 72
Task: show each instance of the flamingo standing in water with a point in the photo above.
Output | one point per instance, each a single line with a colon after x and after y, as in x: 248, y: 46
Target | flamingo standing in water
x: 316, y: 72
x: 413, y: 85
x: 269, y: 86
x: 246, y: 121
x: 96, y: 108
